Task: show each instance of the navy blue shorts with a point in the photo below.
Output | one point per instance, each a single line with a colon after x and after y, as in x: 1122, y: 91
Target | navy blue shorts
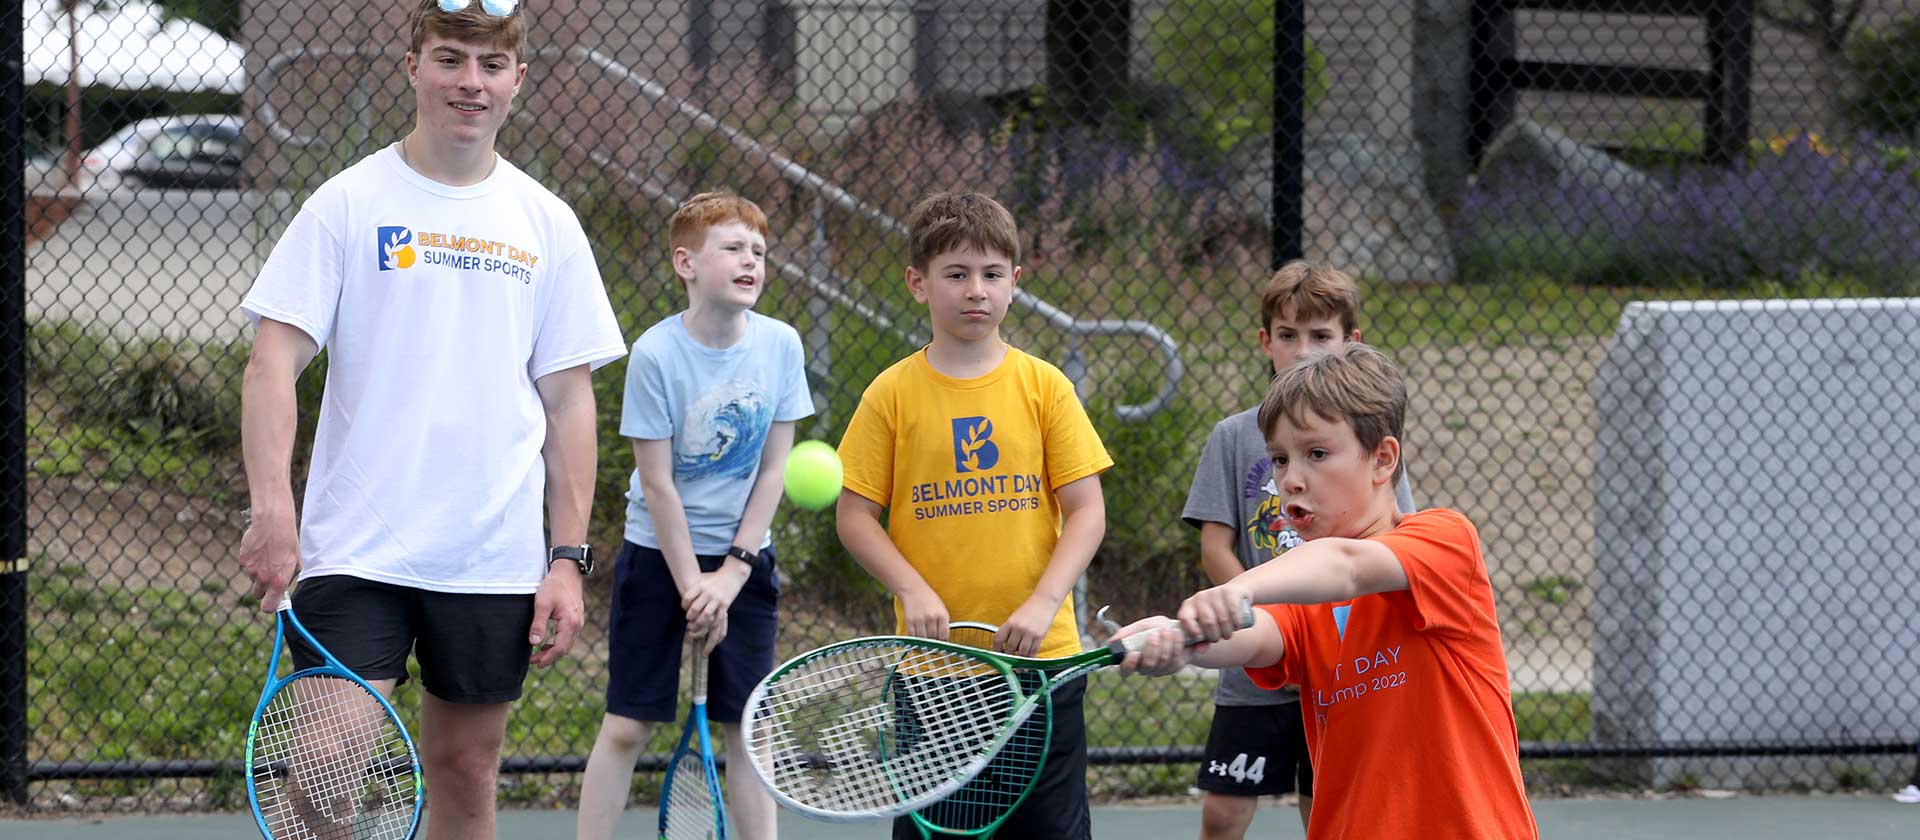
x: 472, y: 648
x: 648, y: 629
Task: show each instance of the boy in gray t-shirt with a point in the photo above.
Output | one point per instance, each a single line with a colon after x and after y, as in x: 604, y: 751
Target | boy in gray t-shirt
x: 1257, y: 744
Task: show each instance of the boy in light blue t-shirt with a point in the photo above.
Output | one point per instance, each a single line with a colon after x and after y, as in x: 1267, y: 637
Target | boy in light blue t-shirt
x: 711, y: 398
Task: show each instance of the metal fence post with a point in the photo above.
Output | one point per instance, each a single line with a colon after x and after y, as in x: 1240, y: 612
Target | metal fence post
x: 13, y: 413
x: 1289, y: 127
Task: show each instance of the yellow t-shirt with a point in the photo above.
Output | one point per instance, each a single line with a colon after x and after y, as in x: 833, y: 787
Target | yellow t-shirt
x: 967, y: 469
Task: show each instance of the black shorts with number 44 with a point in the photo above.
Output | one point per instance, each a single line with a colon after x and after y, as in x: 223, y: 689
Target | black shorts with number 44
x: 1256, y: 751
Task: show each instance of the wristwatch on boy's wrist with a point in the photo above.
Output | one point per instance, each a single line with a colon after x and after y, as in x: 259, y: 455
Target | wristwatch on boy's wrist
x: 581, y: 555
x: 751, y: 558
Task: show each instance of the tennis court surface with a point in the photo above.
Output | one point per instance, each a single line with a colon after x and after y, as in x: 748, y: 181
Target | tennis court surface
x: 1865, y: 817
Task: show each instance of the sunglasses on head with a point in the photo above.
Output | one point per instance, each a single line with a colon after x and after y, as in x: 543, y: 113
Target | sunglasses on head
x: 497, y: 8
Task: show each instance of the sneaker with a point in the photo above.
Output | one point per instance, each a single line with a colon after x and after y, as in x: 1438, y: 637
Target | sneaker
x: 1909, y: 795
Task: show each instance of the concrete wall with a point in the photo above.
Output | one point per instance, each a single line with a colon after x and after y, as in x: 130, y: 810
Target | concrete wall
x: 1757, y: 506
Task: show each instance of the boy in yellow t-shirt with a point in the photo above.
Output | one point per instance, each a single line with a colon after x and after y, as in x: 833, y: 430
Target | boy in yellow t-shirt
x: 991, y: 471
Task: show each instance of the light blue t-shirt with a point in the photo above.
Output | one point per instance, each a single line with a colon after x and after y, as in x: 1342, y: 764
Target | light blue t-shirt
x: 717, y: 406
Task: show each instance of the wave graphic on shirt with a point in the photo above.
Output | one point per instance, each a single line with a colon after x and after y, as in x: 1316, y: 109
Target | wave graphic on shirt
x: 725, y: 431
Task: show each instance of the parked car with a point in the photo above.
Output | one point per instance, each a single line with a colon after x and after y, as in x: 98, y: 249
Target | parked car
x: 197, y: 156
x: 104, y: 165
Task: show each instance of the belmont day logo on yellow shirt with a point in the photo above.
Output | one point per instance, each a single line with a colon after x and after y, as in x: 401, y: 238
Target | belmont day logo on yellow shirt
x: 400, y: 248
x: 972, y: 492
x: 973, y: 449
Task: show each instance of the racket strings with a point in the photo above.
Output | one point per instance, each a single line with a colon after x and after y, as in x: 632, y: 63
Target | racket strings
x: 690, y: 802
x: 330, y: 762
x: 1001, y: 786
x: 863, y: 728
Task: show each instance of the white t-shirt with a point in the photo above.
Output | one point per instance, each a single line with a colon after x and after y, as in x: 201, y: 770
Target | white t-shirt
x: 439, y: 307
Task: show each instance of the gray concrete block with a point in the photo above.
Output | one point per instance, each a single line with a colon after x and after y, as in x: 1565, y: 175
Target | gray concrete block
x: 1756, y: 574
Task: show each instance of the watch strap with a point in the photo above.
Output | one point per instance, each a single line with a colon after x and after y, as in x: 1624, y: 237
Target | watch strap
x: 579, y: 555
x: 751, y: 558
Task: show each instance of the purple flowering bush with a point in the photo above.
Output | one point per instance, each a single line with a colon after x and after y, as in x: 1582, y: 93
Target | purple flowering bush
x: 1797, y: 216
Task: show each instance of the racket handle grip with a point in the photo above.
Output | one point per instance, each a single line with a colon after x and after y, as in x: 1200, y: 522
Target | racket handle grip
x: 1135, y: 642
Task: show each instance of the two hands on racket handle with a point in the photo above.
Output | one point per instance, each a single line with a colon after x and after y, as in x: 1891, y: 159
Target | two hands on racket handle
x: 1151, y: 646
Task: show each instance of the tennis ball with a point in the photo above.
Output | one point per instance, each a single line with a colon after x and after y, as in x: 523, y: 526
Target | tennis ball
x: 813, y: 475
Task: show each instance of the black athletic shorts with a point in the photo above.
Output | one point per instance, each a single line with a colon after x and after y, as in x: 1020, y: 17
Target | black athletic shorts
x: 472, y: 648
x: 1256, y: 751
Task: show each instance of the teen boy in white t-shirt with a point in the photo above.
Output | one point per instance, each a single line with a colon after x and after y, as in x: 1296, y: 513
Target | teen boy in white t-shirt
x: 463, y: 312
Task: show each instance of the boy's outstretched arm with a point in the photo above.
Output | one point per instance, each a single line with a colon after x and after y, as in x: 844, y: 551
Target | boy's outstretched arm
x: 1083, y: 524
x: 1165, y: 652
x: 857, y: 520
x: 1322, y: 571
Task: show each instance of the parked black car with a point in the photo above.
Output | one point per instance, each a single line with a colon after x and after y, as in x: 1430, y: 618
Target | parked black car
x: 192, y: 156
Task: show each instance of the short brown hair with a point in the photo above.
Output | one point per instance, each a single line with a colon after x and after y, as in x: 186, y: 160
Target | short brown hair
x: 688, y: 227
x: 471, y: 25
x: 950, y: 221
x: 1357, y: 383
x: 1311, y: 291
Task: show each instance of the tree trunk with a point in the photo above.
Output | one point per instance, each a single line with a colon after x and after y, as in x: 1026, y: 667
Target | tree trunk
x: 1442, y: 58
x: 1088, y: 43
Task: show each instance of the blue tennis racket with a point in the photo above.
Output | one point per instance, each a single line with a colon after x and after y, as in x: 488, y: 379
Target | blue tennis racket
x: 691, y: 805
x: 327, y: 758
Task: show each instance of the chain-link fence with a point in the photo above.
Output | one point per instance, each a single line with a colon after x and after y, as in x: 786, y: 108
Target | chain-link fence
x: 1697, y: 518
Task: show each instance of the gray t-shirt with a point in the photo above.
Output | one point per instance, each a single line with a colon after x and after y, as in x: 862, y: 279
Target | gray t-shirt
x: 1233, y: 486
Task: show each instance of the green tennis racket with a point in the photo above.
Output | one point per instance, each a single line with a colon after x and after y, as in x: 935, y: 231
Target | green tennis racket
x: 883, y: 726
x: 979, y: 807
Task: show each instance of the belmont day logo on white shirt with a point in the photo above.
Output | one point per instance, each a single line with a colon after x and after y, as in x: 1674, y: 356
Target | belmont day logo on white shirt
x: 400, y: 248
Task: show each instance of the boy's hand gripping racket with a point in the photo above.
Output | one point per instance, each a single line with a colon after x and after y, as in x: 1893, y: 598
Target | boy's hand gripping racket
x: 327, y: 758
x: 885, y: 725
x: 691, y: 805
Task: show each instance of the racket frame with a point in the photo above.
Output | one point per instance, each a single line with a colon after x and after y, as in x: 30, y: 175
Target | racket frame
x: 330, y: 667
x: 929, y: 829
x: 697, y: 726
x: 1054, y: 673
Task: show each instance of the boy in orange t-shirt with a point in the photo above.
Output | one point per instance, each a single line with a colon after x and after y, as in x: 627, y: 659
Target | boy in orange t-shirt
x: 1385, y: 621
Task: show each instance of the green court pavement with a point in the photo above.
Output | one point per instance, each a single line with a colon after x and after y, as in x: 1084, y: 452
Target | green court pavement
x: 1743, y: 818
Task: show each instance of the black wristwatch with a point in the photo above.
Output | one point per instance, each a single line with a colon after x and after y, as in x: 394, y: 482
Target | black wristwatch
x: 751, y: 558
x: 581, y: 555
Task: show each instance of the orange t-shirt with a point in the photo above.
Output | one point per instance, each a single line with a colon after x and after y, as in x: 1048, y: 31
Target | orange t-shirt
x: 1404, y: 695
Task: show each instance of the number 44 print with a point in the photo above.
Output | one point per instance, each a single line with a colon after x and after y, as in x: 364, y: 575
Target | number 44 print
x: 1240, y: 769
